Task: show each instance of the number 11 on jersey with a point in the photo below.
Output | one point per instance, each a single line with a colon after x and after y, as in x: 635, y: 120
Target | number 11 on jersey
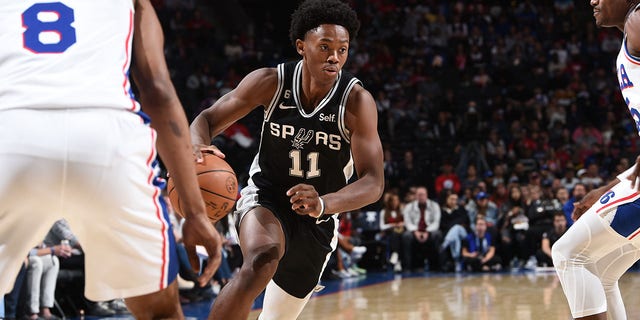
x: 296, y: 164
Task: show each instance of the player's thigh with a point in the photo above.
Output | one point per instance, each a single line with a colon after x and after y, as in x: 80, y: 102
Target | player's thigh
x: 29, y: 188
x: 119, y: 216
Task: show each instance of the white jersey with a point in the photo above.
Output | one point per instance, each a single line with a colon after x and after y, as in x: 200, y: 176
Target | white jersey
x: 66, y: 54
x: 628, y: 68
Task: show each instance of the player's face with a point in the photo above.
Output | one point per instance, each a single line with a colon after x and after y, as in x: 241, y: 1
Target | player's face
x: 609, y: 13
x: 325, y: 50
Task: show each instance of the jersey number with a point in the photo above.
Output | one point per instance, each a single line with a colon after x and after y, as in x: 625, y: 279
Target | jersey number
x: 296, y: 161
x: 35, y: 27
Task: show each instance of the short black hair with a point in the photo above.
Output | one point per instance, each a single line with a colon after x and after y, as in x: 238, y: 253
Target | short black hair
x: 312, y: 13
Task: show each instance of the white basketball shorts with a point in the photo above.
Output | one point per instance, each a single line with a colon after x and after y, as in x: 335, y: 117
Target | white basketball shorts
x: 97, y: 169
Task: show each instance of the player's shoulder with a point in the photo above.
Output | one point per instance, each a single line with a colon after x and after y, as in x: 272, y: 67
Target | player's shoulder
x: 266, y: 74
x: 359, y: 96
x: 261, y: 78
x: 632, y: 32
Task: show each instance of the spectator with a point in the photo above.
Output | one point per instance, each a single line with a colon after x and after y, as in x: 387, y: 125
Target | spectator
x: 454, y: 225
x: 422, y: 235
x: 578, y: 192
x: 591, y: 178
x: 447, y: 180
x: 540, y: 213
x: 569, y: 180
x: 513, y: 228
x: 478, y: 249
x: 543, y: 254
x: 482, y: 206
x: 392, y: 227
x: 42, y: 274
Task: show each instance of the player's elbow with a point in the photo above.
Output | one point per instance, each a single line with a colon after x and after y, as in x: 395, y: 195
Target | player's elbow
x: 376, y: 190
x: 156, y: 91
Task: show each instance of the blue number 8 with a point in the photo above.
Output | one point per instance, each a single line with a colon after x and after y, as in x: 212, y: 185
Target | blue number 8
x: 61, y: 26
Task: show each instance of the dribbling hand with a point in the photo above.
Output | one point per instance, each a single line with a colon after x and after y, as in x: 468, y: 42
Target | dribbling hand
x: 579, y: 208
x: 198, y: 149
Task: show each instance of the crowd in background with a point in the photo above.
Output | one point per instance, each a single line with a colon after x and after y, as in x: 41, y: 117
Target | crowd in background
x: 512, y: 89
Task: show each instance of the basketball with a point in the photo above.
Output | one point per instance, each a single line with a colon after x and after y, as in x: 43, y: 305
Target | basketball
x: 218, y: 185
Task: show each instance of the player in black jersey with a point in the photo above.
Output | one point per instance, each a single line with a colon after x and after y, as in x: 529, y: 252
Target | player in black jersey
x: 319, y: 126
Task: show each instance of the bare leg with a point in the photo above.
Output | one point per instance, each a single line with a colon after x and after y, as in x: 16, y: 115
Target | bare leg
x: 344, y: 243
x: 163, y: 304
x: 262, y: 241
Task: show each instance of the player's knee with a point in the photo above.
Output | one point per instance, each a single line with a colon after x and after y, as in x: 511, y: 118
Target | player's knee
x: 558, y: 255
x: 265, y: 259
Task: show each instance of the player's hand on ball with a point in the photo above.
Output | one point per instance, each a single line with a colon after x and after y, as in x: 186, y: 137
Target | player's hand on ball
x: 578, y: 210
x: 305, y: 200
x: 198, y: 149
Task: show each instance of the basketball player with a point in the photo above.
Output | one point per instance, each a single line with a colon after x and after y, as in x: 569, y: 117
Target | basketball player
x: 75, y: 144
x: 594, y: 253
x: 319, y: 126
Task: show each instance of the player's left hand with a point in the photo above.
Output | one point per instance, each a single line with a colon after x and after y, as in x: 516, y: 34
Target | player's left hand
x: 198, y: 230
x: 305, y: 200
x: 580, y: 207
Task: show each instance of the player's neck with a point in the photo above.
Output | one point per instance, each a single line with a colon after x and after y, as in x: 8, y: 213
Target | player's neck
x: 313, y: 91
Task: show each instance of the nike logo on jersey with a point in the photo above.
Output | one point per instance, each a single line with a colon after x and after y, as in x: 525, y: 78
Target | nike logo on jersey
x: 285, y: 107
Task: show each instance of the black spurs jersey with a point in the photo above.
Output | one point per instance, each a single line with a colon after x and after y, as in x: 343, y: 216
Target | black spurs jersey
x: 300, y: 147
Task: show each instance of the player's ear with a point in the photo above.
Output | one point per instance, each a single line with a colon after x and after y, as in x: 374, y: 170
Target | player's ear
x: 300, y: 46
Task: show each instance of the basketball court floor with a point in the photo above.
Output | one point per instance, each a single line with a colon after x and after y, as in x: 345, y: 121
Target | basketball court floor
x: 420, y: 296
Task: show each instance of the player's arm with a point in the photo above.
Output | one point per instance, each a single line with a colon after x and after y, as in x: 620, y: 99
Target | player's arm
x: 361, y: 119
x: 160, y: 101
x: 256, y: 89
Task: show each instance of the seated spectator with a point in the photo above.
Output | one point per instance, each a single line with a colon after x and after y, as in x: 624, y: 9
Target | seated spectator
x: 482, y: 206
x: 540, y: 213
x: 392, y: 227
x: 42, y: 274
x: 347, y: 256
x: 454, y: 225
x: 478, y: 250
x: 422, y: 235
x: 513, y: 228
x: 71, y: 273
x: 349, y: 252
x: 543, y: 255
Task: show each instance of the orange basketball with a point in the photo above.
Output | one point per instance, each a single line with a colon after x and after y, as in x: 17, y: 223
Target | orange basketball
x: 218, y: 185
